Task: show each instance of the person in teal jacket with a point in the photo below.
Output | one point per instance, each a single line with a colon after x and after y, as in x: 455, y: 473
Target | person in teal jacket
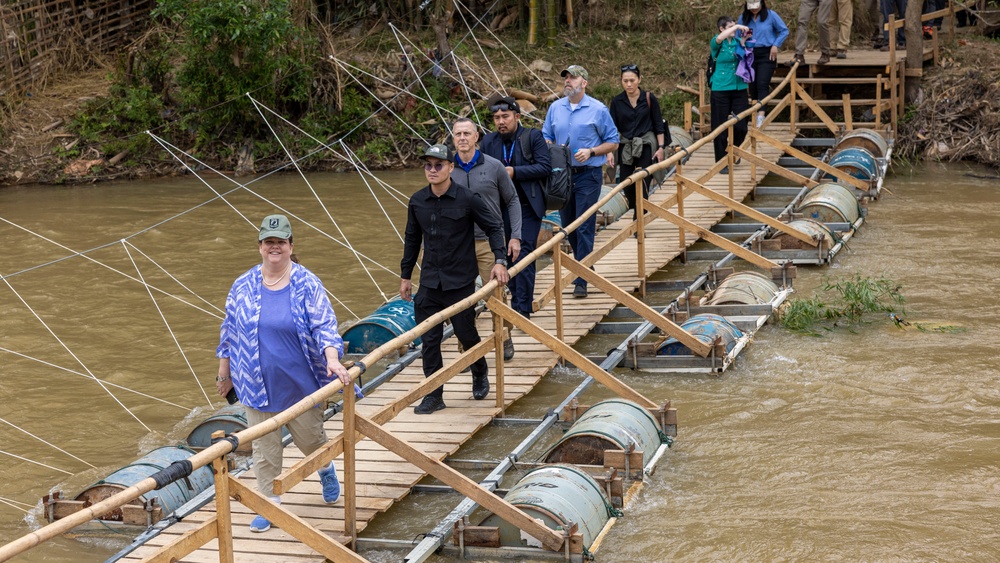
x: 729, y: 92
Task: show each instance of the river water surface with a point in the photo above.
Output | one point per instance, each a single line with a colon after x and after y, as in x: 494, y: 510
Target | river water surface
x: 875, y: 444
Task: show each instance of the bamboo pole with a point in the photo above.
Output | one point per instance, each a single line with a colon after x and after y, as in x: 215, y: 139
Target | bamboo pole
x: 640, y: 239
x: 532, y: 22
x: 224, y: 519
x: 350, y: 488
x: 498, y: 336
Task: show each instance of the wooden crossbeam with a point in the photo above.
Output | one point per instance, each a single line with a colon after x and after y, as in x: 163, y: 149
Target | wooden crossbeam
x: 811, y: 161
x: 776, y: 169
x: 335, y: 446
x: 721, y: 242
x: 748, y: 211
x: 811, y: 103
x: 637, y: 306
x: 549, y: 538
x: 567, y: 351
x: 187, y: 543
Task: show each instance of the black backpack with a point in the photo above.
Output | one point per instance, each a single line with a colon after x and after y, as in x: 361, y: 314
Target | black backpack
x: 557, y: 187
x: 709, y: 71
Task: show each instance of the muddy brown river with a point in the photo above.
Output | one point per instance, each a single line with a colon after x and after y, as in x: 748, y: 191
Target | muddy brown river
x: 877, y: 444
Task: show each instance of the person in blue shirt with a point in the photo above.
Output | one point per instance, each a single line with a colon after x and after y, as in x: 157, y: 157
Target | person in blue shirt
x: 729, y: 91
x: 279, y: 343
x: 585, y: 125
x: 767, y: 33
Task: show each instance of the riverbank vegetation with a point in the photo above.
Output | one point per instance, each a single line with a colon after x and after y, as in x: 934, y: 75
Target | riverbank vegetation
x: 326, y: 69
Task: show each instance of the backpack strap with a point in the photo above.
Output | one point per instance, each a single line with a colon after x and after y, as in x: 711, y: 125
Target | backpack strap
x: 525, y: 139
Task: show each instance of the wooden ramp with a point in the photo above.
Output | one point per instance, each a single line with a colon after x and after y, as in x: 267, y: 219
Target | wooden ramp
x: 384, y: 478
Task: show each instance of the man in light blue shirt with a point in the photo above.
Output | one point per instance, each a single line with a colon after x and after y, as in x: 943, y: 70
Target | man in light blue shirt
x: 585, y: 125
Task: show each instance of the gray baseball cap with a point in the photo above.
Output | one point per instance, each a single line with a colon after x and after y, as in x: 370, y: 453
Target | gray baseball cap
x: 437, y: 151
x: 276, y: 226
x: 575, y: 70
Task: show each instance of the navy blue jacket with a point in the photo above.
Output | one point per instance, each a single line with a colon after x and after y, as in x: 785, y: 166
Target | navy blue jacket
x: 527, y: 176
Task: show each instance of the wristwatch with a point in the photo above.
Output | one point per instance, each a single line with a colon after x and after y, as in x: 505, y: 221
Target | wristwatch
x: 502, y: 262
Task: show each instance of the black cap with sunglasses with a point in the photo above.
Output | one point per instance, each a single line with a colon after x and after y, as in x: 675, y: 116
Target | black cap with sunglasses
x: 631, y: 68
x: 503, y: 103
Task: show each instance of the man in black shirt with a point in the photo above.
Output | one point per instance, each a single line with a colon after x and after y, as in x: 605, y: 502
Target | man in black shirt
x: 441, y: 217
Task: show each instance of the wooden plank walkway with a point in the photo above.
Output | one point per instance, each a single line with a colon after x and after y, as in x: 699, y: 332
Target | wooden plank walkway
x: 383, y: 477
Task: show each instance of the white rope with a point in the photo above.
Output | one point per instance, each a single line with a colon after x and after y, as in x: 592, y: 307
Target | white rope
x: 375, y: 197
x: 171, y: 276
x: 35, y: 462
x: 458, y: 8
x: 472, y: 67
x: 42, y: 440
x: 444, y: 70
x: 409, y: 62
x: 468, y: 94
x: 83, y: 254
x: 341, y: 303
x: 398, y: 196
x: 14, y: 504
x: 170, y: 330
x: 110, y: 384
x: 18, y: 295
x: 316, y: 195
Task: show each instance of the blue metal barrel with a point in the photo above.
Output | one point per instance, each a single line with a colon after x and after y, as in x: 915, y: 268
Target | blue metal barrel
x: 615, y: 424
x: 746, y: 288
x: 855, y: 161
x: 613, y: 209
x: 545, y: 233
x: 392, y: 319
x: 830, y: 203
x: 229, y: 419
x: 871, y: 141
x: 169, y: 498
x: 704, y: 327
x: 558, y: 495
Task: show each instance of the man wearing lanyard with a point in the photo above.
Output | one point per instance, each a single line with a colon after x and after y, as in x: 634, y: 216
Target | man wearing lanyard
x: 585, y: 125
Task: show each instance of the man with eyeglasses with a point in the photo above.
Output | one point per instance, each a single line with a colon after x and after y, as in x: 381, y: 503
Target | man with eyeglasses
x: 486, y: 176
x: 440, y: 217
x: 585, y: 125
x: 507, y: 145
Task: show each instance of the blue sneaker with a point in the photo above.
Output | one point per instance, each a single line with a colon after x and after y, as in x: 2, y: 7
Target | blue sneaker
x: 260, y: 524
x: 331, y: 486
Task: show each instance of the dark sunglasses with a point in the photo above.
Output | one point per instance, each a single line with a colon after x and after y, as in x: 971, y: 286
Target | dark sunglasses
x: 502, y: 106
x: 437, y: 166
x: 631, y: 68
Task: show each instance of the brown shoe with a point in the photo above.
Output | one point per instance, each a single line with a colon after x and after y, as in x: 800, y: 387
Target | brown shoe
x: 841, y: 53
x: 801, y: 59
x: 823, y: 59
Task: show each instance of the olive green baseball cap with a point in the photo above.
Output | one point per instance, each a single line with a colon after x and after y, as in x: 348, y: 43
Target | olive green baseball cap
x: 276, y: 226
x: 437, y: 151
x: 575, y: 70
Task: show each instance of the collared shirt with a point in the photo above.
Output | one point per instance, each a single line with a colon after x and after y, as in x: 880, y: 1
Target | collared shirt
x: 585, y: 127
x: 487, y: 177
x: 315, y: 327
x: 771, y: 32
x: 636, y: 121
x: 724, y: 78
x: 443, y: 225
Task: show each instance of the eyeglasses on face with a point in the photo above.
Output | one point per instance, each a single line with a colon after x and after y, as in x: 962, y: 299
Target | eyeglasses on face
x: 437, y: 166
x: 630, y: 68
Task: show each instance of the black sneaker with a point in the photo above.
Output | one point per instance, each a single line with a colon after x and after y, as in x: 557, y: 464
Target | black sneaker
x: 580, y: 291
x: 428, y: 405
x: 508, y: 350
x: 480, y: 385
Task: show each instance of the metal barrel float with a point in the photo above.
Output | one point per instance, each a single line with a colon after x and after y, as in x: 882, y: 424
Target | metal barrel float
x: 559, y: 496
x: 229, y: 419
x: 817, y: 230
x: 855, y: 161
x: 545, y: 233
x: 390, y: 320
x: 680, y: 138
x: 169, y: 498
x: 704, y: 327
x: 830, y: 203
x: 871, y: 141
x: 613, y: 209
x: 743, y: 288
x: 614, y: 424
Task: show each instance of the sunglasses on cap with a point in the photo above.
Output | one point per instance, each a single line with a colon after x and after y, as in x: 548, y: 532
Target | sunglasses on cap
x: 437, y: 166
x: 630, y: 68
x: 503, y: 106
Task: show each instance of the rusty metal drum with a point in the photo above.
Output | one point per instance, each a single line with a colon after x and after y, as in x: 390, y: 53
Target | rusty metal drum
x: 867, y: 139
x: 229, y: 419
x: 743, y: 288
x: 613, y: 209
x: 857, y: 162
x: 614, y: 424
x: 705, y: 327
x: 830, y: 203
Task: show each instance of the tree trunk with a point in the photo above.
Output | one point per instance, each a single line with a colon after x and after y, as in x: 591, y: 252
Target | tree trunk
x: 532, y: 22
x: 444, y: 10
x: 914, y: 48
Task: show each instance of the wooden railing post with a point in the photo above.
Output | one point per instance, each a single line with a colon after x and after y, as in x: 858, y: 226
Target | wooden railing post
x: 848, y: 113
x: 640, y: 235
x: 682, y: 246
x: 878, y: 102
x: 498, y: 339
x: 793, y: 114
x: 349, y: 491
x: 753, y: 165
x: 732, y: 159
x: 223, y: 514
x: 557, y: 276
x: 687, y: 116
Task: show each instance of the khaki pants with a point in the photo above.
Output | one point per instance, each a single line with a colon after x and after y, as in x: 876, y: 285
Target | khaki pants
x: 307, y: 433
x: 841, y: 16
x: 821, y: 8
x: 486, y: 260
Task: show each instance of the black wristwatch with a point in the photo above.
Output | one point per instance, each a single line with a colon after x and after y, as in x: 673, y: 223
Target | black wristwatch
x: 502, y: 262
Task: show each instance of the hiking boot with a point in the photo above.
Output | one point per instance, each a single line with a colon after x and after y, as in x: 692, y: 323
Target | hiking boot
x: 841, y: 53
x: 508, y: 350
x: 801, y: 59
x: 580, y: 291
x: 331, y: 485
x: 260, y: 524
x: 823, y: 59
x: 428, y: 405
x: 480, y: 383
